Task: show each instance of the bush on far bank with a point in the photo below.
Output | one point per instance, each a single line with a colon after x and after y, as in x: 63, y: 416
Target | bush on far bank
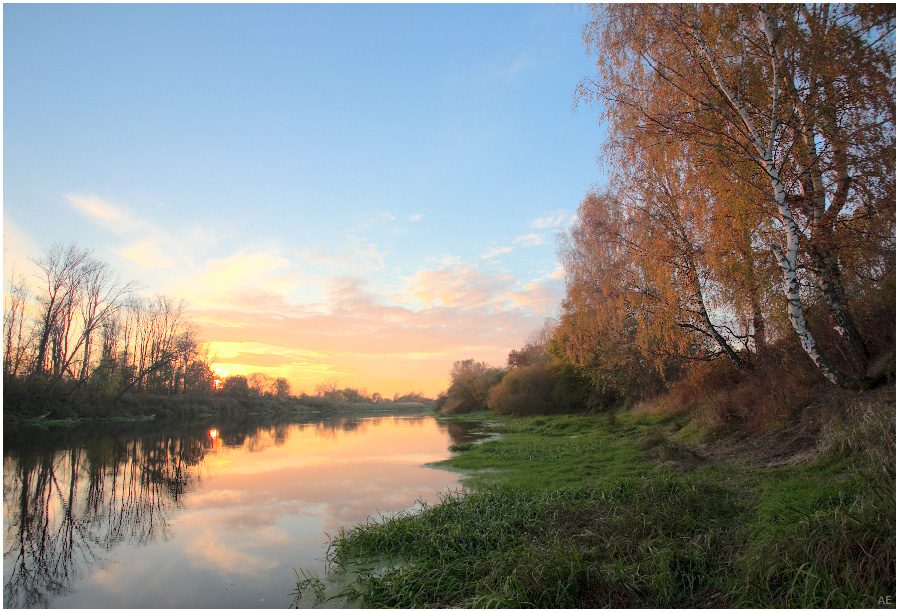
x: 546, y: 387
x: 470, y: 384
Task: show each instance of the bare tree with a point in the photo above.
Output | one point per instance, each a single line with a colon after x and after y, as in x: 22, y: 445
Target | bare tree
x: 15, y: 344
x: 103, y: 296
x: 152, y: 331
x: 63, y: 268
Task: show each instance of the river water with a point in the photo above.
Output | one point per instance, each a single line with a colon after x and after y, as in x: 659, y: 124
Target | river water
x: 217, y: 515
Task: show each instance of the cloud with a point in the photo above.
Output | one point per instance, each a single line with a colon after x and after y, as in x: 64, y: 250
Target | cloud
x: 540, y: 298
x: 149, y: 246
x: 265, y: 310
x: 530, y: 239
x: 231, y: 291
x: 147, y: 254
x: 415, y: 217
x: 247, y: 268
x: 365, y: 337
x: 18, y: 246
x: 358, y: 258
x: 111, y: 216
x: 261, y: 360
x: 551, y: 221
x: 496, y: 251
x: 464, y: 286
x: 448, y: 260
x: 511, y: 70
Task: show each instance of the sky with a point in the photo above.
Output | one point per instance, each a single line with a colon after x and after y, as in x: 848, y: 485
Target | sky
x: 360, y: 194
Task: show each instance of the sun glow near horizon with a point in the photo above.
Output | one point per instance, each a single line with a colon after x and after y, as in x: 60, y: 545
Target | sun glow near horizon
x: 372, y: 337
x: 430, y: 376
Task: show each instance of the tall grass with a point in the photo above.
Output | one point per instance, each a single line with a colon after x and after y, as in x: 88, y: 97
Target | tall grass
x: 617, y: 511
x: 645, y: 544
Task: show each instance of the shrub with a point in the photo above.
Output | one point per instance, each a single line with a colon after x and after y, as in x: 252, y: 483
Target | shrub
x: 530, y: 389
x: 470, y: 386
x: 544, y: 388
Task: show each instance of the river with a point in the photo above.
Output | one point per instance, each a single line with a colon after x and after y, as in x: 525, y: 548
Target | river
x: 211, y: 515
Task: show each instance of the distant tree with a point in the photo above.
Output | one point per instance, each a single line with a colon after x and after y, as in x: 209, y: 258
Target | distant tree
x: 198, y: 378
x: 355, y: 395
x: 151, y: 328
x: 412, y: 397
x: 599, y: 330
x: 535, y: 349
x: 261, y: 385
x: 89, y: 330
x: 329, y: 390
x: 63, y: 272
x: 15, y: 344
x: 282, y: 388
x: 470, y: 384
x: 236, y: 386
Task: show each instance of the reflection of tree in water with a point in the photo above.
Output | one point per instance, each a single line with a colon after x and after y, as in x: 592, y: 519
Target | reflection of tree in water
x: 260, y: 439
x: 65, y: 507
x: 333, y: 426
x: 71, y: 496
x: 460, y: 433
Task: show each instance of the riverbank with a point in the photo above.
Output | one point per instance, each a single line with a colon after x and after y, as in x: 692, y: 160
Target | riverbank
x: 48, y: 410
x: 640, y: 510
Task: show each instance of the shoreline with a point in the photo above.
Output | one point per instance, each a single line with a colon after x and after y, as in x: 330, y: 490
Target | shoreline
x: 623, y: 510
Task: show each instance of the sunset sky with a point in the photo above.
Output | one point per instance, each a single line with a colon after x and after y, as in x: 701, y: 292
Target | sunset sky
x: 351, y: 193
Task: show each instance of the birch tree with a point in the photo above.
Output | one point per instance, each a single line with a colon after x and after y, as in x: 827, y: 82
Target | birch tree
x: 804, y: 94
x: 600, y: 328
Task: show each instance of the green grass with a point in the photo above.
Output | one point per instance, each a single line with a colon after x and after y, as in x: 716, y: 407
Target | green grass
x: 616, y: 511
x: 545, y: 453
x: 48, y: 422
x: 480, y: 416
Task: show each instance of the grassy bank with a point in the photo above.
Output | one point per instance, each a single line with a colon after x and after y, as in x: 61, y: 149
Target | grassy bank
x: 631, y: 511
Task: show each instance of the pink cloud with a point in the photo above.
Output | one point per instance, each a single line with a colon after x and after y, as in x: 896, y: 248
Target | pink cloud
x: 365, y: 339
x: 464, y: 286
x: 540, y: 298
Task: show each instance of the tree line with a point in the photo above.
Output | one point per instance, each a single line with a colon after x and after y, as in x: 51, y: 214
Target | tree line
x: 751, y: 207
x: 332, y: 391
x: 83, y: 329
x: 78, y: 330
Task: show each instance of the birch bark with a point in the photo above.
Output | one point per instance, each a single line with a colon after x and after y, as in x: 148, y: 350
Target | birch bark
x: 787, y: 257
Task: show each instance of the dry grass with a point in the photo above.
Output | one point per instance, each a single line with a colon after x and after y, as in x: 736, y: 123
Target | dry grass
x: 866, y: 426
x: 719, y: 398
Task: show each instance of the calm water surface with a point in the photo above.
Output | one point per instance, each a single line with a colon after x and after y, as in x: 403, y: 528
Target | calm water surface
x: 212, y: 516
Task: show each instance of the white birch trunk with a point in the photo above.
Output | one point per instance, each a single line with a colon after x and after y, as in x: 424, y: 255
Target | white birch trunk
x: 787, y: 258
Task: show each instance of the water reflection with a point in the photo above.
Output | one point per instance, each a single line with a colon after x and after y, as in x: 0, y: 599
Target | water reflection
x: 65, y: 507
x: 245, y: 499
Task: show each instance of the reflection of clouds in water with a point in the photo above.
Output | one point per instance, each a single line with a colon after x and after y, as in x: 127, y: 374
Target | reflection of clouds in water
x: 335, y: 441
x: 123, y: 580
x: 170, y: 539
x: 223, y: 496
x: 336, y: 495
x: 235, y: 553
